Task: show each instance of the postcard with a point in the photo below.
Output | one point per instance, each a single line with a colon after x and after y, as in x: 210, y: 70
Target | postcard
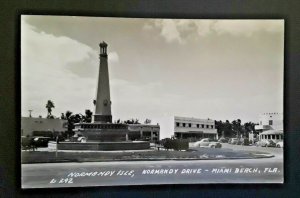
x: 108, y: 101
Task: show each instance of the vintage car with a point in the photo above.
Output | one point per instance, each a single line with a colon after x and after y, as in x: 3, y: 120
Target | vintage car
x: 223, y: 140
x: 81, y: 139
x: 266, y: 143
x: 41, y: 141
x: 233, y: 141
x: 279, y: 144
x: 206, y: 142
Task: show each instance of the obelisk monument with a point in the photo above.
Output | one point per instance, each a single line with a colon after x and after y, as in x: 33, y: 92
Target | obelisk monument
x: 103, y: 104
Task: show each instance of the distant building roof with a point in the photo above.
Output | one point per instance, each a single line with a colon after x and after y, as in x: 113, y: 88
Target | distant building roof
x: 194, y: 119
x: 272, y: 132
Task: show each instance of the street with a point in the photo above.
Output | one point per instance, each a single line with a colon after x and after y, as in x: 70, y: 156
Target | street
x: 264, y: 170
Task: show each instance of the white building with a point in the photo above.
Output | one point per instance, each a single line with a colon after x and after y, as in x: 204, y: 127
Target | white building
x: 270, y: 126
x: 189, y: 128
x: 270, y: 121
x: 31, y: 125
x: 194, y: 128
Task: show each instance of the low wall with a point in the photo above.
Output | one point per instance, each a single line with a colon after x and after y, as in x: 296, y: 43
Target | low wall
x: 104, y: 146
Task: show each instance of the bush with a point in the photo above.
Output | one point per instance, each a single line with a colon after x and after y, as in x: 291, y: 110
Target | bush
x: 176, y: 144
x: 246, y: 142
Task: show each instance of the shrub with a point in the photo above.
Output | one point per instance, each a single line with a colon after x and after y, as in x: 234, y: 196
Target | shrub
x: 176, y: 144
x: 246, y: 142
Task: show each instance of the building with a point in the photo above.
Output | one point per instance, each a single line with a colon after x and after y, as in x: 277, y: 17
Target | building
x: 194, y: 129
x: 147, y: 132
x: 270, y: 121
x: 275, y: 135
x: 42, y: 126
x: 270, y: 126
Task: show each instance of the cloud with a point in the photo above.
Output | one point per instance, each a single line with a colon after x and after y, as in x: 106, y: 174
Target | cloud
x: 169, y: 30
x: 181, y: 30
x: 247, y: 27
x: 204, y: 27
x: 45, y: 72
x: 113, y: 57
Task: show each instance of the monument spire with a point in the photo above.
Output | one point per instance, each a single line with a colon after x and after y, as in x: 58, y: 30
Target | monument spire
x: 103, y: 104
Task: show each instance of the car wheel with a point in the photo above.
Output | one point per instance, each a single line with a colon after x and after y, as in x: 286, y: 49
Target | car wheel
x: 212, y: 146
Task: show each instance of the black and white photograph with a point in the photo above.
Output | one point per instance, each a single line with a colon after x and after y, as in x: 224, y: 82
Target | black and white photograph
x: 110, y: 101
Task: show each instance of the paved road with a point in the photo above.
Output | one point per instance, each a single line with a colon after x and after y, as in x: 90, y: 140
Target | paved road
x: 278, y: 152
x: 267, y: 170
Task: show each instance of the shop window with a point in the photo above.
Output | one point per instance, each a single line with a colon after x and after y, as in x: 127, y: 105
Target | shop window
x: 190, y: 125
x: 183, y: 124
x: 270, y: 122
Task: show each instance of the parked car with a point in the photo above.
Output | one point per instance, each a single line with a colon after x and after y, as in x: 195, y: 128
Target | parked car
x: 266, y: 143
x: 279, y: 144
x: 41, y: 141
x: 78, y: 138
x: 240, y: 141
x: 206, y: 142
x: 81, y: 139
x: 27, y: 143
x: 233, y: 141
x: 223, y: 140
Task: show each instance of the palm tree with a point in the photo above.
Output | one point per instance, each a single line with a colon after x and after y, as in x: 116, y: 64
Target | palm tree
x: 68, y: 114
x: 49, y: 107
x: 69, y: 118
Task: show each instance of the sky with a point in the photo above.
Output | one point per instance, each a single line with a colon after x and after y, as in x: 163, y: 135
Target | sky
x: 217, y: 69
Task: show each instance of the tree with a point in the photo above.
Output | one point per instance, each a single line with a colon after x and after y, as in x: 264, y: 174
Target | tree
x: 136, y: 121
x: 220, y: 126
x: 68, y: 115
x: 228, y: 129
x: 77, y: 118
x: 63, y: 117
x: 147, y: 121
x: 249, y: 128
x: 49, y: 107
x: 88, y: 116
x: 236, y: 127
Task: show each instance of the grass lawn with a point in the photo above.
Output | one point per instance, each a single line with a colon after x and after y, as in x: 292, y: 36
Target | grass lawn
x: 191, y: 154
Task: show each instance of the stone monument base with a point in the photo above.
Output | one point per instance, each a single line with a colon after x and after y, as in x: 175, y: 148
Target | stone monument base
x: 104, y: 146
